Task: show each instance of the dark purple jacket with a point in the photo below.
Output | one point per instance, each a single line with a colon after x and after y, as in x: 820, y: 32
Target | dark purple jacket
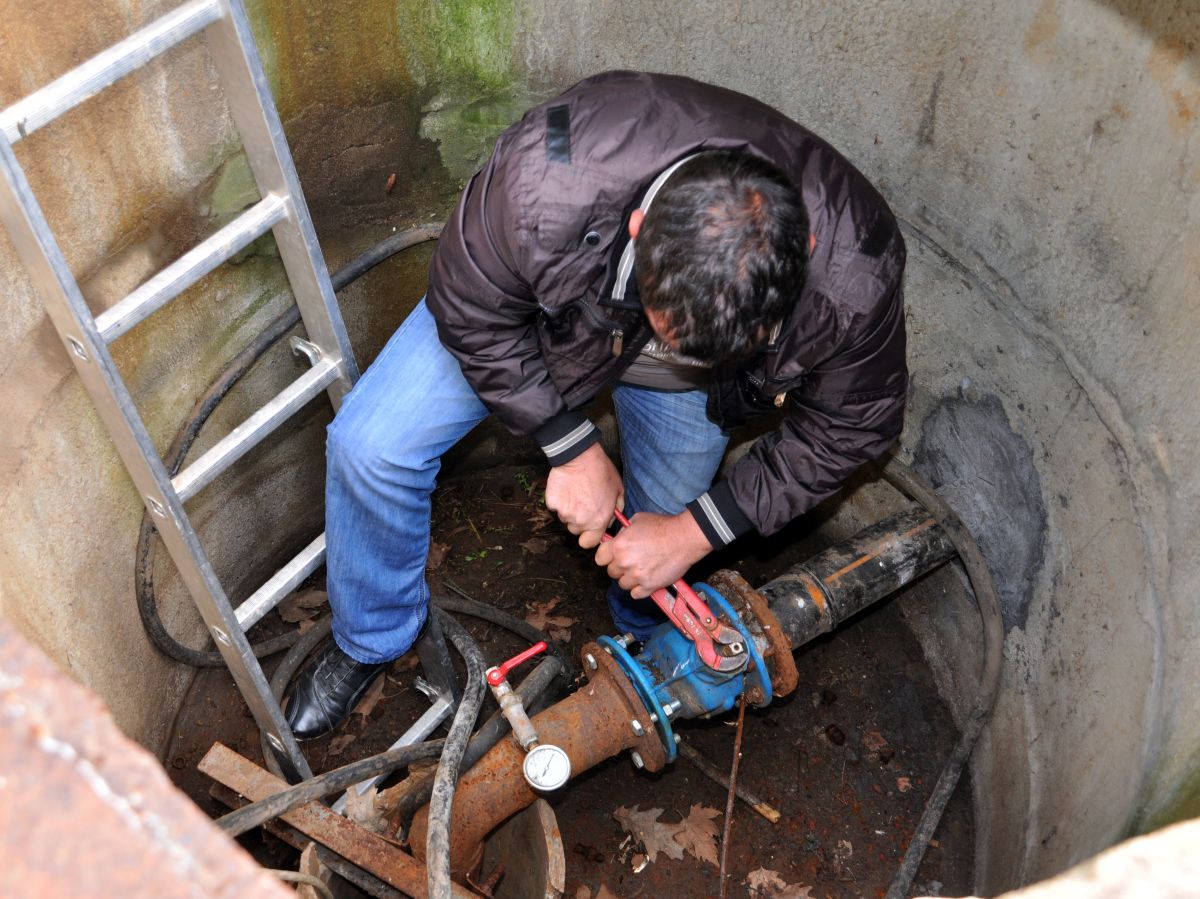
x: 523, y: 281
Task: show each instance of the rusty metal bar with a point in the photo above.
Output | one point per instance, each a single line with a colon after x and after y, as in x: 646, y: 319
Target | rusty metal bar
x: 369, y: 851
x: 365, y: 881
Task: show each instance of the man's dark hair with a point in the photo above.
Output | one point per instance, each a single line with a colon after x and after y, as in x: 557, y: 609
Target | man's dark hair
x: 722, y: 253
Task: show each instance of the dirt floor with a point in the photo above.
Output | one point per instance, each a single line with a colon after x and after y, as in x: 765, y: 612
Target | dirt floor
x: 848, y: 759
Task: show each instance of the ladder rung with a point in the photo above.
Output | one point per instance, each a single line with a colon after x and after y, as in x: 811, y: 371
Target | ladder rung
x: 190, y: 268
x: 249, y: 433
x: 68, y: 91
x: 283, y: 582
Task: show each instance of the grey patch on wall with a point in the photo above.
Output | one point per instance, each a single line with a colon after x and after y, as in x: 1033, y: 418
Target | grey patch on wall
x: 984, y: 470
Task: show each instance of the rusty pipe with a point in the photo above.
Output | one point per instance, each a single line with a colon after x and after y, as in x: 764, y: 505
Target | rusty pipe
x: 595, y: 723
x: 598, y: 722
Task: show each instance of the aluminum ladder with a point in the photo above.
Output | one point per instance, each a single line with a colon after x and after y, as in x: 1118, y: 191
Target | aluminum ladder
x: 281, y: 210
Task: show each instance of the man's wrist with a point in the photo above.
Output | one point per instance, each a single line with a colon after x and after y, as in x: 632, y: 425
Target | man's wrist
x: 566, y: 436
x: 719, y: 517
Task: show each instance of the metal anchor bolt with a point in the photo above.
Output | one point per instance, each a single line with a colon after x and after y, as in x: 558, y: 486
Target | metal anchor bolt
x: 591, y: 661
x: 637, y: 761
x: 637, y: 727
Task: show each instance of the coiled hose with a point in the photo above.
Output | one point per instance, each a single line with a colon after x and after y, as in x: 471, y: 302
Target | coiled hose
x: 144, y: 557
x: 908, y: 481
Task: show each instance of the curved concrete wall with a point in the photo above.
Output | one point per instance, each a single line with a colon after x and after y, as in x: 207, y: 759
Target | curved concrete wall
x: 1042, y: 157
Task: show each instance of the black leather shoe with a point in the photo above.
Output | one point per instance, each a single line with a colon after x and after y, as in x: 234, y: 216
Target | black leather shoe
x: 327, y: 692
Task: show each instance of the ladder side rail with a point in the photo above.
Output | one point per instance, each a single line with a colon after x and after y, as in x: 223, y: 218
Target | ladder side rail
x: 52, y: 279
x: 107, y: 67
x: 235, y: 54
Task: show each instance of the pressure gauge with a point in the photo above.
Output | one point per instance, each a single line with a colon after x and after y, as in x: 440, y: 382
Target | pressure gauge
x: 547, y: 767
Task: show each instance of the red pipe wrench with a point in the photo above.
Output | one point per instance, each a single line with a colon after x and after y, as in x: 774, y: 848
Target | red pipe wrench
x: 719, y: 646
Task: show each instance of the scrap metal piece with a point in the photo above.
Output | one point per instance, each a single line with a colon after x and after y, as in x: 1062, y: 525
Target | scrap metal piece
x: 369, y: 851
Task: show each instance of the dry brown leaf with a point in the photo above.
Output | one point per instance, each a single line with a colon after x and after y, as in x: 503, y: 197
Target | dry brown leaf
x: 558, y: 627
x: 338, y: 744
x: 604, y: 893
x: 767, y: 884
x: 583, y: 893
x: 698, y: 833
x: 363, y: 809
x: 371, y: 698
x: 536, y: 546
x: 437, y: 555
x: 302, y: 606
x: 654, y: 835
x: 541, y: 518
x: 873, y: 740
x: 903, y: 784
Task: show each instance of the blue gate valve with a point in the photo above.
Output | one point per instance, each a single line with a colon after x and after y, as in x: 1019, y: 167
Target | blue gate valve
x: 674, y: 682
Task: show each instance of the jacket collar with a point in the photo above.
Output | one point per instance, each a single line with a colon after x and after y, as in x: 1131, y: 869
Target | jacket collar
x: 624, y: 293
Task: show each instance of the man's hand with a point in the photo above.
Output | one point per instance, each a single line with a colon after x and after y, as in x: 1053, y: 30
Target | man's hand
x: 584, y: 492
x: 653, y: 551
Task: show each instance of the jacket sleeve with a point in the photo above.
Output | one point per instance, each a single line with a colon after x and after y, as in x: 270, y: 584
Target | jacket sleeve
x: 486, y: 312
x: 848, y: 411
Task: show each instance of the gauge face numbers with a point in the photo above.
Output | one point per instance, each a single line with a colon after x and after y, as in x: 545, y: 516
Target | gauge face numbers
x: 547, y: 767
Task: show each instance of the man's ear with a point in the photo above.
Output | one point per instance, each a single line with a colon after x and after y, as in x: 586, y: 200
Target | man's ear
x: 635, y: 222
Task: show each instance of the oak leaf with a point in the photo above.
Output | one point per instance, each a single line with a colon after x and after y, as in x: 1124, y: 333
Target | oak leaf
x: 873, y: 740
x: 437, y: 555
x: 302, y: 606
x: 557, y: 626
x: 371, y: 699
x: 767, y: 884
x: 338, y: 744
x: 536, y: 546
x: 653, y: 834
x: 698, y: 833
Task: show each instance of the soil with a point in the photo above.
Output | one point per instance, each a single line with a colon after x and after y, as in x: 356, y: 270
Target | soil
x: 849, y: 759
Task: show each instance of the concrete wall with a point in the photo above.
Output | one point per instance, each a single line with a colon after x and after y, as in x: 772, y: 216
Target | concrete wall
x: 129, y: 181
x: 1041, y: 156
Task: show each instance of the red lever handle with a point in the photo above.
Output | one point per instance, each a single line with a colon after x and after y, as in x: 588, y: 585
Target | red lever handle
x: 496, y: 676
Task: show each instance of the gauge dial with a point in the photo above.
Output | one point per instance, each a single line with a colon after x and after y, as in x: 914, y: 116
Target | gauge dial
x: 547, y: 767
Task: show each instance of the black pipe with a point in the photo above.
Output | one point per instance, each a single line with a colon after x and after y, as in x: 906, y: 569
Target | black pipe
x: 820, y: 593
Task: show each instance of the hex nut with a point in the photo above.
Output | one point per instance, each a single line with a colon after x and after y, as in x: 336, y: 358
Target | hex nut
x: 637, y: 761
x: 637, y: 727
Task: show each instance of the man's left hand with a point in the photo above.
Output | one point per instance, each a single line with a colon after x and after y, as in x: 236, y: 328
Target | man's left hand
x: 653, y: 551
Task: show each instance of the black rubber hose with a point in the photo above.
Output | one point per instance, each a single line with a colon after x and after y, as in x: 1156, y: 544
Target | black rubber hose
x: 465, y: 604
x: 144, y: 558
x: 905, y: 479
x: 257, y: 813
x: 441, y: 806
x: 417, y: 792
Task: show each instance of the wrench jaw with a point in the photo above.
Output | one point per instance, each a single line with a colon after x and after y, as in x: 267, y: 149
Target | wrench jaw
x: 720, y: 647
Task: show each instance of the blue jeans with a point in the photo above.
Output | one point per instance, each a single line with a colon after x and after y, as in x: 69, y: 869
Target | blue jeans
x: 384, y: 452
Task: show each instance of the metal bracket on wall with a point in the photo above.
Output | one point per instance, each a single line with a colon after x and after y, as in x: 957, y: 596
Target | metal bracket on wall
x: 282, y: 211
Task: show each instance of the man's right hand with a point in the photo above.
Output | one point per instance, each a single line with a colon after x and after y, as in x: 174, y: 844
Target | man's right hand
x: 584, y: 492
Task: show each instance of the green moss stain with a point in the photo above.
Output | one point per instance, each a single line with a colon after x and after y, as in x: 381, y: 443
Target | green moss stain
x: 1183, y: 805
x: 230, y: 192
x: 465, y: 41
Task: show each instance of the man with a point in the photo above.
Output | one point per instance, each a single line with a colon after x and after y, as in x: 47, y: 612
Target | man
x: 693, y: 247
